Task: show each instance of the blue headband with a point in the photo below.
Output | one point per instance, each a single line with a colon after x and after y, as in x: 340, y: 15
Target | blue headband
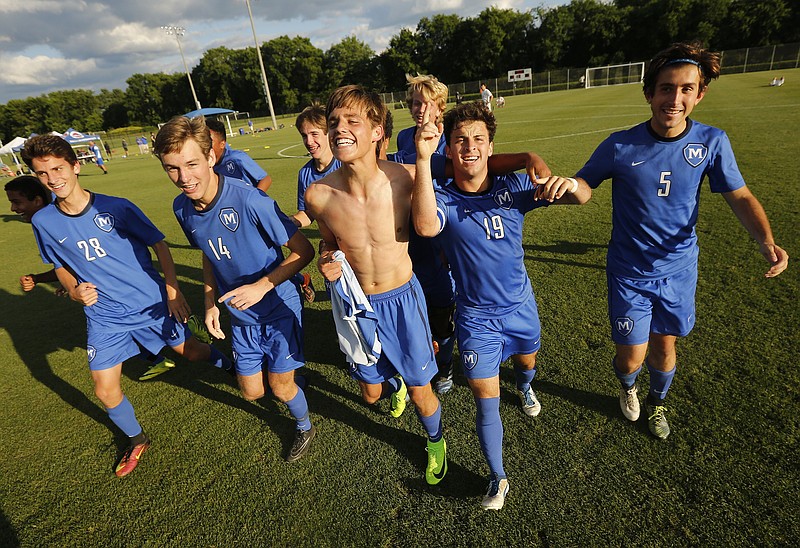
x: 676, y: 61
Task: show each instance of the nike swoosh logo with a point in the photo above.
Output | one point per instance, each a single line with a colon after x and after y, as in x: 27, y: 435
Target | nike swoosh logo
x: 193, y: 231
x: 634, y: 164
x: 442, y: 471
x: 62, y: 240
x: 289, y: 356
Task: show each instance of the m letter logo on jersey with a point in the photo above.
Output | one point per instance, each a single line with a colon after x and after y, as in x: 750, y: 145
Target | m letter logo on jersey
x: 469, y: 358
x: 624, y: 325
x: 91, y: 353
x: 504, y: 199
x: 229, y: 218
x: 104, y: 221
x: 230, y: 167
x: 695, y: 153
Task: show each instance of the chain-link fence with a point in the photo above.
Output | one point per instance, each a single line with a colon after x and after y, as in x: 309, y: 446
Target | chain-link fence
x: 764, y: 58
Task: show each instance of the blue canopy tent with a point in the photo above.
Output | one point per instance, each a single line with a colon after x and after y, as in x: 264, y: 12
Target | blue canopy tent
x: 77, y: 139
x: 212, y: 111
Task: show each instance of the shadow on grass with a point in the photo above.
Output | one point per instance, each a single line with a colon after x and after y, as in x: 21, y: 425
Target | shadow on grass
x: 563, y: 247
x: 8, y: 536
x: 34, y: 336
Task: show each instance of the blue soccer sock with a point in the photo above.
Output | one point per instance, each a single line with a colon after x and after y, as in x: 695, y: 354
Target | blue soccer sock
x: 432, y: 424
x: 220, y: 360
x: 298, y: 407
x: 524, y: 377
x: 626, y: 379
x: 660, y: 382
x: 390, y: 386
x: 444, y: 358
x: 490, y: 433
x: 123, y: 416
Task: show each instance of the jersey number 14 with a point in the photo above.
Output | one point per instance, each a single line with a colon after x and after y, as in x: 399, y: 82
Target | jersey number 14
x: 219, y: 249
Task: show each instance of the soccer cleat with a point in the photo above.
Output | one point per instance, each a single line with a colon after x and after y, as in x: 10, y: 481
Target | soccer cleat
x: 198, y: 329
x: 629, y: 402
x: 161, y: 367
x: 496, y: 495
x: 657, y: 421
x: 307, y: 288
x: 130, y: 458
x: 443, y: 385
x: 437, y: 461
x: 398, y: 400
x: 530, y: 404
x: 302, y: 441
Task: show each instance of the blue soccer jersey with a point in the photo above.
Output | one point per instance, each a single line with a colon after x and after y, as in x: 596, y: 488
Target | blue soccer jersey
x: 107, y: 245
x: 655, y: 194
x: 242, y: 233
x: 309, y: 175
x: 481, y: 235
x: 239, y: 165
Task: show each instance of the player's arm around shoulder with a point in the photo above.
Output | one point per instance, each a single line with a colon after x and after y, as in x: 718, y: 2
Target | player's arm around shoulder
x: 176, y: 302
x: 562, y: 190
x: 532, y: 163
x: 751, y: 214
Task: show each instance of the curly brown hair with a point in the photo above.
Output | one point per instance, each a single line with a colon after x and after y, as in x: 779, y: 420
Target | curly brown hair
x: 682, y: 52
x: 466, y: 113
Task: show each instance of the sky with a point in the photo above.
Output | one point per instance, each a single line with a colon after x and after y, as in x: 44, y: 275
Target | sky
x: 50, y: 45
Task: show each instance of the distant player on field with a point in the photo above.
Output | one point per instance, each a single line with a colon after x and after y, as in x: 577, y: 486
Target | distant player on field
x: 478, y: 219
x: 98, y: 157
x: 241, y: 232
x: 99, y: 247
x: 656, y: 170
x: 363, y: 209
x: 235, y: 163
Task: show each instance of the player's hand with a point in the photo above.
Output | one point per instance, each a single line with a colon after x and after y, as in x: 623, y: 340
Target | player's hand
x: 84, y: 293
x: 178, y: 307
x: 777, y: 257
x: 428, y: 134
x: 330, y: 268
x: 536, y: 167
x: 27, y: 282
x: 551, y: 188
x: 245, y: 296
x: 61, y: 292
x: 212, y: 323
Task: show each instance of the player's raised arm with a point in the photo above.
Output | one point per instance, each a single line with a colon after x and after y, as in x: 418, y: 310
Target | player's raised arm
x: 531, y: 162
x: 176, y: 302
x: 423, y: 199
x: 751, y: 214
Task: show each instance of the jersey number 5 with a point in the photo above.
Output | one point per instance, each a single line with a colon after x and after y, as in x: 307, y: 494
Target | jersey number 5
x: 664, y: 191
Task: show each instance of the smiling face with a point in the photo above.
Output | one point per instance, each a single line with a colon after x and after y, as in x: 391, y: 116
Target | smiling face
x: 315, y: 140
x: 351, y: 134
x: 22, y: 206
x: 676, y: 92
x: 57, y: 175
x: 469, y: 148
x: 192, y: 172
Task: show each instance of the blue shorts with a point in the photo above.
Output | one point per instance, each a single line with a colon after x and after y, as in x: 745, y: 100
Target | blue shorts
x: 637, y: 308
x: 278, y: 344
x: 105, y: 350
x: 485, y: 343
x: 406, y: 347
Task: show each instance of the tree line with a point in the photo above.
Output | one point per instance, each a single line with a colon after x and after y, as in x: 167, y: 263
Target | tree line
x: 455, y: 49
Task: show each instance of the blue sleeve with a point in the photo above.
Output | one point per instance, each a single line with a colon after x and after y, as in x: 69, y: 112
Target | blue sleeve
x: 723, y: 171
x: 600, y: 165
x: 137, y: 225
x: 45, y: 250
x: 251, y: 168
x: 271, y: 220
x: 301, y: 193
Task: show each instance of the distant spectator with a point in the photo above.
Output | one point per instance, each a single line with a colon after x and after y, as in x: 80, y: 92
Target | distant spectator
x: 250, y: 125
x: 459, y: 98
x: 108, y: 150
x: 486, y: 97
x: 125, y: 148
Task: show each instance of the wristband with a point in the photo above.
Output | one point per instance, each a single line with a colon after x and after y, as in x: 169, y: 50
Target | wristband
x: 574, y: 185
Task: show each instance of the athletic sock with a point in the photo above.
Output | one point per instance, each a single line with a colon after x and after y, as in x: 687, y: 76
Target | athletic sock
x: 490, y: 433
x: 444, y: 358
x: 390, y: 386
x: 660, y: 382
x: 432, y: 424
x: 220, y: 360
x: 626, y: 379
x: 298, y: 407
x: 123, y: 416
x: 524, y: 377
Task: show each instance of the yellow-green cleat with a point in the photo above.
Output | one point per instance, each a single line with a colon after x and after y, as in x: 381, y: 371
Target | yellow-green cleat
x: 657, y: 421
x: 198, y: 329
x: 398, y: 400
x: 161, y: 367
x: 437, y: 461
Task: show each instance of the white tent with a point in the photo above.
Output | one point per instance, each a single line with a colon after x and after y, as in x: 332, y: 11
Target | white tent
x: 9, y: 147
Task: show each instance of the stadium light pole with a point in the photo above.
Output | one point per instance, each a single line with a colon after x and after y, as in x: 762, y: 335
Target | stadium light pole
x: 267, y: 96
x: 178, y: 32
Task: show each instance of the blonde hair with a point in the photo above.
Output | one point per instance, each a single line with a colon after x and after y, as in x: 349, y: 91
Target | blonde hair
x: 429, y: 87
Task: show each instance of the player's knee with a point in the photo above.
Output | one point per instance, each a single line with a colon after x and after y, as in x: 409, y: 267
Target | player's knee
x: 252, y: 394
x: 284, y: 391
x: 110, y: 396
x: 371, y: 393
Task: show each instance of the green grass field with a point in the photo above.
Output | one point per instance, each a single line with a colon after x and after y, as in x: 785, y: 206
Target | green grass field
x: 580, y: 473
